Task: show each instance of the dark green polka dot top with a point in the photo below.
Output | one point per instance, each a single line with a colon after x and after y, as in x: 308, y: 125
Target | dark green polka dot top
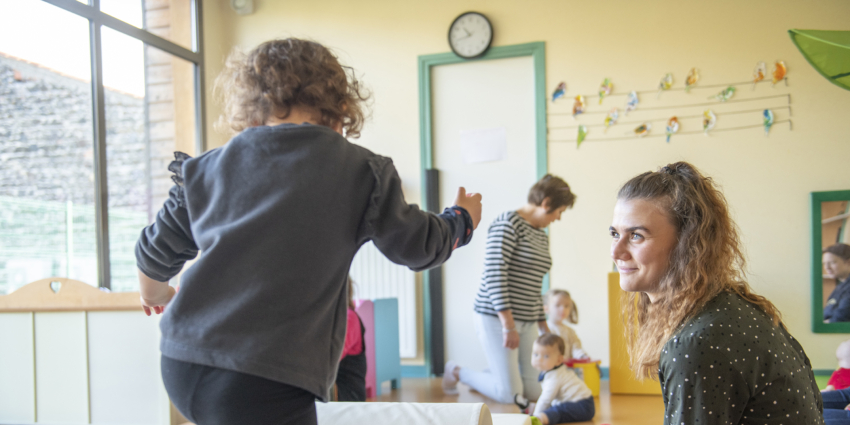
x: 730, y: 365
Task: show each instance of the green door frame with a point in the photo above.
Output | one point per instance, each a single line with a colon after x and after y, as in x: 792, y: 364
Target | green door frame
x: 537, y: 51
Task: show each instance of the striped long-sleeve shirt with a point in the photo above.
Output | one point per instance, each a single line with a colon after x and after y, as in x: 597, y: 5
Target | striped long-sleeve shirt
x: 517, y: 257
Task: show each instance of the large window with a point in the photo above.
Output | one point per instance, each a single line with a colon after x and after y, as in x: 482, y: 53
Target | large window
x: 94, y: 99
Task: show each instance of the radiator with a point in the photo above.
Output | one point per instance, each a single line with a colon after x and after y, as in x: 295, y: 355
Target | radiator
x: 377, y: 277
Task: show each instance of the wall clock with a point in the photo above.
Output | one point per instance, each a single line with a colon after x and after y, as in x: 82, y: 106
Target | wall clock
x: 470, y: 35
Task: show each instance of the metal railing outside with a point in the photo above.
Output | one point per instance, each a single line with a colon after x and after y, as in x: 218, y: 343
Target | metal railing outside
x: 41, y: 239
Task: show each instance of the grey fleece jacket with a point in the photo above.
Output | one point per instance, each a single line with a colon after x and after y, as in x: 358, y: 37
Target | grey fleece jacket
x: 279, y: 213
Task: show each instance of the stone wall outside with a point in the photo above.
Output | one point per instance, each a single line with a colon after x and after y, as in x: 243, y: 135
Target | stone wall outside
x: 47, y: 177
x: 47, y: 159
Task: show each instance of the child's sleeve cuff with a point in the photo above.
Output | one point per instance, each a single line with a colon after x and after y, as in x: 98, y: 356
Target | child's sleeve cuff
x: 460, y: 222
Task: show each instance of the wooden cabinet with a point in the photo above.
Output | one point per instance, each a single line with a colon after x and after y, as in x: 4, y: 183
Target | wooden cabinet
x: 72, y: 354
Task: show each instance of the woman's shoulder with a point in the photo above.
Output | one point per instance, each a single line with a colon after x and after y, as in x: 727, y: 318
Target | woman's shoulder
x: 507, y: 217
x: 726, y: 323
x: 843, y: 289
x: 730, y: 306
x: 727, y: 306
x: 513, y: 220
x: 508, y: 220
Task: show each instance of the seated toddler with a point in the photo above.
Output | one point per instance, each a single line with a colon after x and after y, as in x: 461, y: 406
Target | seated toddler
x: 564, y: 397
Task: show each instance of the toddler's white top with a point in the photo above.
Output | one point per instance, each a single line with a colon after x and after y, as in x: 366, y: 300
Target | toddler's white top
x: 559, y: 385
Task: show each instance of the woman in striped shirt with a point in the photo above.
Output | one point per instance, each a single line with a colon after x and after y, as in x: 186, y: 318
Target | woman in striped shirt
x: 508, y: 304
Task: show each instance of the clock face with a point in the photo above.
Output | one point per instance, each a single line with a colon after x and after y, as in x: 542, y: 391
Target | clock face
x: 470, y: 35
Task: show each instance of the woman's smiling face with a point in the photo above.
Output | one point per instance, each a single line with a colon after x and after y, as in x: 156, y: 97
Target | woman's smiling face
x: 643, y: 237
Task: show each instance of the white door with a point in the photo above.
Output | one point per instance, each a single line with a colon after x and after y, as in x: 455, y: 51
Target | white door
x: 489, y: 94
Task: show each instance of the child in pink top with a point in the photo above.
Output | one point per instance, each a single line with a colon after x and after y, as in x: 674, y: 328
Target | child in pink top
x: 351, y: 374
x: 353, y: 335
x: 840, y: 379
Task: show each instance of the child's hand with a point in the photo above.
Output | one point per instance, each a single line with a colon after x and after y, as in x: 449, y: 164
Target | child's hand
x: 157, y: 302
x: 155, y: 295
x: 471, y: 202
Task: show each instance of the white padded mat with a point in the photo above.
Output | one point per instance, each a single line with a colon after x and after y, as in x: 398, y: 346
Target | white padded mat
x: 339, y: 413
x: 511, y: 419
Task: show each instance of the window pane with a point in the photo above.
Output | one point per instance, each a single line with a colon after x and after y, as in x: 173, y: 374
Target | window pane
x: 129, y: 11
x: 150, y: 113
x: 169, y: 19
x: 46, y: 150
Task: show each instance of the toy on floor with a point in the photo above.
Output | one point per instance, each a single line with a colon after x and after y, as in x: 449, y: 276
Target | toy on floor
x: 840, y: 379
x: 589, y: 372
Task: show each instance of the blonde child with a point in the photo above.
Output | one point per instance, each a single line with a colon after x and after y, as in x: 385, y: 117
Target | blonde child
x: 560, y: 307
x: 564, y: 397
x: 256, y: 332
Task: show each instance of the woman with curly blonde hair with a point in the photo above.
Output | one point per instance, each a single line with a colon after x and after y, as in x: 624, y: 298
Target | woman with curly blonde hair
x: 719, y: 350
x: 257, y: 329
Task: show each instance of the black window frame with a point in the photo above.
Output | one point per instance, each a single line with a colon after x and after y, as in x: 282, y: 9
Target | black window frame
x: 98, y: 20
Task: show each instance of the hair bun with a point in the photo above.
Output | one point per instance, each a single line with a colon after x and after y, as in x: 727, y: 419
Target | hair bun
x: 668, y: 169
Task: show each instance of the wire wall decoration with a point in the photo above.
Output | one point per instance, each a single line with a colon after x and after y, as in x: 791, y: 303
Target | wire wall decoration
x: 624, y: 116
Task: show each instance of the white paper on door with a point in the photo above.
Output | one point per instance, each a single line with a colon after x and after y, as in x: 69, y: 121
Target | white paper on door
x: 483, y: 145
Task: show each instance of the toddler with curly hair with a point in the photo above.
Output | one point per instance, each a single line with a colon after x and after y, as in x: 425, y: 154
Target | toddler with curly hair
x: 257, y: 329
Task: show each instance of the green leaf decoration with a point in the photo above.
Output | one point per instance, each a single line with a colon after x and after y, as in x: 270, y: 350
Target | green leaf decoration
x: 827, y: 51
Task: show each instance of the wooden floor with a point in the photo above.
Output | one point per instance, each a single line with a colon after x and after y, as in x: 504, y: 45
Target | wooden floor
x: 613, y: 410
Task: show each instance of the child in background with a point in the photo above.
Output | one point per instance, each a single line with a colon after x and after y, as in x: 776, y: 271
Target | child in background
x: 840, y: 379
x: 351, y: 374
x: 256, y: 333
x: 559, y: 306
x: 564, y: 397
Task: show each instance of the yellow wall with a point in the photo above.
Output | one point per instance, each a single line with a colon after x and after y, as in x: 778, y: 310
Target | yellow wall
x: 766, y: 180
x: 621, y: 378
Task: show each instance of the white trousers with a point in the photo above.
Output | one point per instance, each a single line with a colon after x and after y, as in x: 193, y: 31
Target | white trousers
x: 510, y: 370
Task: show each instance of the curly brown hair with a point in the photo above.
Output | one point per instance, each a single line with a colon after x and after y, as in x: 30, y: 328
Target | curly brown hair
x: 707, y: 260
x: 281, y: 74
